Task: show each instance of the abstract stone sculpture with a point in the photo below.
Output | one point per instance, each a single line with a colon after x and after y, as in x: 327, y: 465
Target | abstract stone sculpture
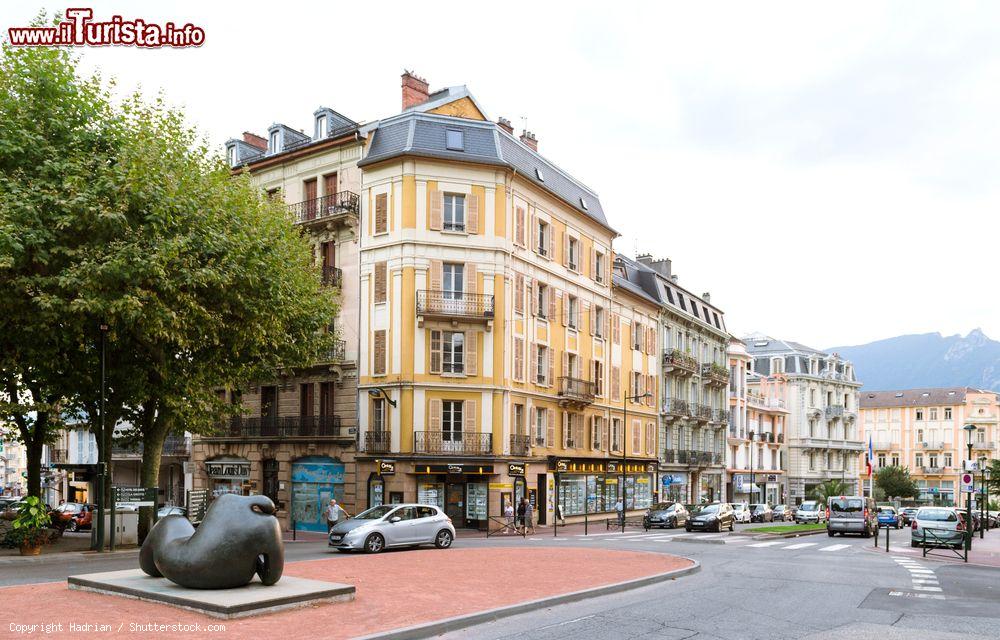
x: 240, y: 536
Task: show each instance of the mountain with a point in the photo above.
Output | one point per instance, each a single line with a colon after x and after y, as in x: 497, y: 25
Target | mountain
x: 926, y: 360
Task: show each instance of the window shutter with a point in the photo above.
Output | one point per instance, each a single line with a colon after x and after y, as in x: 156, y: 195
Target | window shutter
x: 435, y: 415
x: 550, y: 379
x: 605, y: 434
x: 471, y: 279
x: 529, y: 289
x: 437, y: 206
x: 593, y: 264
x: 471, y: 360
x: 564, y: 366
x: 566, y: 437
x: 469, y: 413
x: 514, y: 430
x: 519, y: 226
x: 552, y: 243
x: 616, y: 382
x: 534, y: 234
x: 435, y: 352
x: 380, y: 353
x: 636, y: 437
x: 552, y: 302
x: 550, y: 427
x: 564, y: 297
x: 616, y: 328
x: 565, y: 254
x: 533, y: 364
x: 381, y: 213
x: 381, y: 284
x: 472, y: 213
x: 593, y: 320
x: 437, y: 275
x: 607, y: 269
x: 519, y: 293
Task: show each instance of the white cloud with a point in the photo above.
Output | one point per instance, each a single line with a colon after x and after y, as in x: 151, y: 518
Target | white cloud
x: 828, y: 173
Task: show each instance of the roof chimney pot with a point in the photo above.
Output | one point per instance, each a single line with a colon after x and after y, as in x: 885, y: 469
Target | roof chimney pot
x: 255, y: 140
x: 506, y: 125
x: 529, y: 139
x: 415, y: 90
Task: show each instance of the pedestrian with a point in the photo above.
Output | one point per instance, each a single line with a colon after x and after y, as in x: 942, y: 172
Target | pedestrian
x: 620, y: 510
x: 529, y: 522
x: 508, y: 514
x: 519, y: 522
x: 333, y: 512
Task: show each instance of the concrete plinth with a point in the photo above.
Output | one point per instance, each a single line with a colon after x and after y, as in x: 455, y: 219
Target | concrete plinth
x: 253, y: 599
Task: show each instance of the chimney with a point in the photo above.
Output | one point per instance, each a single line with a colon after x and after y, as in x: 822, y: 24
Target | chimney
x: 644, y: 259
x: 707, y: 297
x: 661, y: 266
x: 529, y: 139
x: 673, y: 278
x: 414, y: 90
x: 506, y: 125
x: 255, y: 140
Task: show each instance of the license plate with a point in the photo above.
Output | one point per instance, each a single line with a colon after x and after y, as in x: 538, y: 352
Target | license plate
x: 335, y: 538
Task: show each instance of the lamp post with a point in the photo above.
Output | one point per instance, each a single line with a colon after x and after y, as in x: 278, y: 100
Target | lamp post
x: 750, y: 435
x: 621, y: 490
x: 982, y: 488
x: 969, y: 429
x: 987, y: 472
x: 102, y: 452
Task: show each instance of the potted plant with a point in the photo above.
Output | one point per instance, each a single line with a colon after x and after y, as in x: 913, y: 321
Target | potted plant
x: 29, y: 528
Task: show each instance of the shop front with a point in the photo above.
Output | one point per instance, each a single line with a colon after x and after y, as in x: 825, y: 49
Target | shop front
x: 589, y: 486
x: 462, y: 490
x: 315, y: 481
x: 710, y: 487
x: 228, y: 474
x: 673, y: 486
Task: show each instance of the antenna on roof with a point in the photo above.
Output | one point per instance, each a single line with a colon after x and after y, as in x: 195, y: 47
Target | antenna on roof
x: 524, y: 123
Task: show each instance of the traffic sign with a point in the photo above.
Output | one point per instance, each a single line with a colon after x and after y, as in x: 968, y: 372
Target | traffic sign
x: 135, y: 496
x: 967, y: 482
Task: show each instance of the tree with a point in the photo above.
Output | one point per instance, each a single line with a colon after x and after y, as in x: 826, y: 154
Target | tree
x: 994, y: 479
x: 896, y: 482
x: 825, y: 490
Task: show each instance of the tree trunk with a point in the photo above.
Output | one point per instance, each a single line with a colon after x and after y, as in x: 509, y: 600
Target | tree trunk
x: 34, y: 451
x: 154, y: 433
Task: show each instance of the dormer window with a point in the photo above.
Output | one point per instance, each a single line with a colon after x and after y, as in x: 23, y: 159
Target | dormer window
x: 583, y: 203
x: 322, y: 126
x: 539, y: 175
x: 455, y: 140
x: 231, y: 155
x: 274, y: 142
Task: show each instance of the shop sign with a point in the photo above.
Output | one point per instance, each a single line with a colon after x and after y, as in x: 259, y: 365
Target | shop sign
x: 613, y: 467
x: 501, y: 486
x: 562, y: 466
x: 475, y: 469
x: 386, y: 467
x: 228, y: 470
x: 454, y: 468
x: 651, y: 467
x: 667, y: 479
x: 515, y: 469
x: 772, y: 477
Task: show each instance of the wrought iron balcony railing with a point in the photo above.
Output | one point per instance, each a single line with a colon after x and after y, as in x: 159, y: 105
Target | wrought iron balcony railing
x: 454, y: 304
x: 57, y: 456
x: 720, y: 415
x: 173, y: 446
x: 325, y: 207
x: 576, y: 389
x: 678, y: 362
x: 332, y: 276
x: 520, y: 445
x: 287, y: 427
x: 675, y: 408
x: 336, y: 353
x: 781, y: 437
x: 451, y: 442
x: 715, y: 373
x: 376, y: 442
x: 700, y: 411
x: 835, y: 411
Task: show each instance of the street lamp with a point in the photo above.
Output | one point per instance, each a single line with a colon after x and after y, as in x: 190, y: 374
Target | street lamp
x: 979, y: 498
x: 750, y: 434
x: 621, y: 489
x: 987, y: 472
x: 379, y: 392
x: 969, y: 429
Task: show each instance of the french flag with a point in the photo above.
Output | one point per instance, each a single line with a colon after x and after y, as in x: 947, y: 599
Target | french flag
x: 870, y: 456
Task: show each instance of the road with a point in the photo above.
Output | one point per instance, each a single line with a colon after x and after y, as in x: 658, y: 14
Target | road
x: 808, y: 587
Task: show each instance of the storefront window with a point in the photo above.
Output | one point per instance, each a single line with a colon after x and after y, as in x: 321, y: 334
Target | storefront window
x: 376, y: 492
x: 629, y: 492
x: 595, y: 494
x: 643, y: 492
x: 431, y: 493
x: 572, y: 494
x: 610, y: 493
x: 475, y: 507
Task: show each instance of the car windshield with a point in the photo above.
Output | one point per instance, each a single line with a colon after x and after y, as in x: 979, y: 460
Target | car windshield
x: 808, y: 506
x: 758, y: 507
x: 709, y: 508
x: 937, y: 515
x: 663, y: 506
x: 375, y: 512
x: 739, y: 507
x: 846, y: 505
x: 70, y: 508
x: 780, y: 507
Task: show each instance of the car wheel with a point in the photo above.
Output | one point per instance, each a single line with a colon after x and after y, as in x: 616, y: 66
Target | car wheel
x: 73, y: 526
x: 688, y: 529
x: 443, y: 539
x: 866, y: 533
x: 829, y: 533
x: 718, y: 526
x: 374, y: 543
x: 732, y: 525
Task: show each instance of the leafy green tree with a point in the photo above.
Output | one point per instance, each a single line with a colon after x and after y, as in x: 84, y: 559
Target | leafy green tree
x: 825, y: 490
x: 994, y: 477
x: 895, y: 482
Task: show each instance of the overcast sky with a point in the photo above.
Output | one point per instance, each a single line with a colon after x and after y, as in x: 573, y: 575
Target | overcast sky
x: 828, y: 174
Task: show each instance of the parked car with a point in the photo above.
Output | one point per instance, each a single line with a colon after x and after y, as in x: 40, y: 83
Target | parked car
x: 937, y: 527
x: 163, y: 512
x: 665, y: 514
x: 887, y: 517
x: 741, y: 511
x: 782, y: 513
x: 73, y: 516
x: 761, y: 513
x: 906, y: 514
x: 711, y: 517
x: 393, y: 525
x: 810, y: 511
x: 851, y: 514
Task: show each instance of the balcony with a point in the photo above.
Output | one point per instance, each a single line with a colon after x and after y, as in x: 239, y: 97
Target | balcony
x: 697, y: 458
x: 700, y: 412
x: 834, y: 411
x: 933, y: 445
x: 984, y: 446
x: 679, y: 363
x: 715, y: 374
x: 58, y: 456
x: 376, y: 442
x: 575, y: 392
x: 325, y: 208
x: 173, y: 447
x: 454, y: 305
x: 332, y: 276
x: 282, y: 427
x: 674, y: 408
x: 451, y: 443
x: 720, y: 416
x: 762, y: 402
x: 781, y: 438
x: 668, y: 456
x: 336, y: 353
x: 520, y: 445
x: 932, y: 471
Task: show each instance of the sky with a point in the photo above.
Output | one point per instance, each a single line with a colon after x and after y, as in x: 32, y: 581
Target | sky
x: 827, y: 171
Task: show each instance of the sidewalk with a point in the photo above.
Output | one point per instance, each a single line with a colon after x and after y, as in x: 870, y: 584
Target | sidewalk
x: 985, y: 552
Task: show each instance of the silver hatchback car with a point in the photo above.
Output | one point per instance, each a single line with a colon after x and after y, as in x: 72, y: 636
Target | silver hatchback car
x: 393, y: 525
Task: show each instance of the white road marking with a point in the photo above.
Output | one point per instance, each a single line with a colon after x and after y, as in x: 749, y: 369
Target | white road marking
x: 926, y: 572
x: 919, y: 588
x: 769, y: 544
x: 594, y: 535
x: 931, y: 581
x: 834, y: 547
x: 801, y: 545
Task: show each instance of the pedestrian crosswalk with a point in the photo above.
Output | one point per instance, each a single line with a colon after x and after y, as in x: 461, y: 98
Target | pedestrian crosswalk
x: 724, y: 538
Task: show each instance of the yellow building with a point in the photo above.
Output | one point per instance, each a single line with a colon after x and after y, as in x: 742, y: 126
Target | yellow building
x: 922, y: 430
x: 489, y: 328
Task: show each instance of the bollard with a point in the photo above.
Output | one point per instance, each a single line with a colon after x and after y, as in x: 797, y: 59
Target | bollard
x: 294, y: 529
x: 887, y: 539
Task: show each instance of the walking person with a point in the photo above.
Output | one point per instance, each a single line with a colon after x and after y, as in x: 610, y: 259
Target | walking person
x: 508, y: 514
x: 620, y: 510
x: 519, y: 521
x: 529, y: 522
x: 333, y: 512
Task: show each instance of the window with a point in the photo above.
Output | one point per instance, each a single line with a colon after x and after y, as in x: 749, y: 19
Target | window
x: 452, y: 351
x: 517, y: 417
x: 616, y: 434
x: 381, y: 213
x: 275, y: 139
x: 919, y: 458
x: 540, y: 427
x: 598, y: 327
x: 920, y: 435
x: 881, y: 460
x: 381, y: 282
x: 895, y: 459
x: 455, y: 140
x: 596, y: 429
x: 598, y: 378
x: 453, y: 280
x: 539, y: 175
x: 378, y: 415
x: 542, y: 239
x: 541, y: 300
x: 932, y: 460
x: 451, y: 421
x: 572, y: 311
x: 980, y: 435
x: 920, y: 414
x: 947, y: 459
x: 812, y: 462
x: 454, y: 212
x: 519, y: 359
x: 519, y: 226
x: 947, y: 413
x: 599, y: 267
x: 933, y: 413
x: 321, y: 129
x: 573, y: 254
x: 231, y: 155
x: 542, y: 364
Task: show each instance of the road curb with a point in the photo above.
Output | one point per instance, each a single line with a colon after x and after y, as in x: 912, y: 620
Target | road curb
x: 63, y: 557
x: 438, y: 627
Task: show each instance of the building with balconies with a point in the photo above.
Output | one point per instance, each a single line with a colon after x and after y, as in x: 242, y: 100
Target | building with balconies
x: 820, y: 400
x: 488, y: 323
x: 294, y: 437
x: 13, y: 467
x: 922, y: 430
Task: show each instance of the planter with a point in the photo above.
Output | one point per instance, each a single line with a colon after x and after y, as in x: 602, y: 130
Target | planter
x: 31, y: 550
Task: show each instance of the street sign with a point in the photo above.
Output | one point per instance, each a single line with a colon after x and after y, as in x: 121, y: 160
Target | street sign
x: 971, y: 465
x: 197, y: 505
x: 135, y: 496
x: 738, y: 482
x: 967, y: 482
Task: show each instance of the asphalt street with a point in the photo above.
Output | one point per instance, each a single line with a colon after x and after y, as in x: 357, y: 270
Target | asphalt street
x: 807, y: 587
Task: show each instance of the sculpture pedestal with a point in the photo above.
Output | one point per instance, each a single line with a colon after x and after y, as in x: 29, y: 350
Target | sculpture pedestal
x: 253, y: 599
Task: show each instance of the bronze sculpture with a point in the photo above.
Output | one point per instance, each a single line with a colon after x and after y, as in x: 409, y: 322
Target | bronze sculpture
x: 239, y: 537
